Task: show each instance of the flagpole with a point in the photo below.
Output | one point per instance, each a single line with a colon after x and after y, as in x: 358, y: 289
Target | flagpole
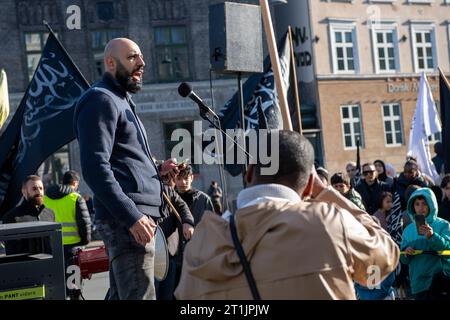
x: 444, y: 77
x: 65, y: 51
x: 273, y: 51
x: 294, y: 72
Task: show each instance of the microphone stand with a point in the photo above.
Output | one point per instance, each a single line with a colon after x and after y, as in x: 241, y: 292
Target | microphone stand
x: 216, y: 124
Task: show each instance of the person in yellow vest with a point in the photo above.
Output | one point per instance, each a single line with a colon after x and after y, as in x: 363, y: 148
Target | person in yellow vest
x: 71, y: 211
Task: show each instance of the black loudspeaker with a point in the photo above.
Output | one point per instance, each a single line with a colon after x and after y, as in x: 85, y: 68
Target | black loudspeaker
x: 235, y: 38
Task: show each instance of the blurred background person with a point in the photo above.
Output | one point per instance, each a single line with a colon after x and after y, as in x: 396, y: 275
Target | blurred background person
x: 382, y: 175
x: 341, y: 183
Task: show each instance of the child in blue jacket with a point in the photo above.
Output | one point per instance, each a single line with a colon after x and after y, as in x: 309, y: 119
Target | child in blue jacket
x: 434, y: 235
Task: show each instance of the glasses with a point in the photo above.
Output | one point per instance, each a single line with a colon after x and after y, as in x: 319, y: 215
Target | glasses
x: 365, y: 173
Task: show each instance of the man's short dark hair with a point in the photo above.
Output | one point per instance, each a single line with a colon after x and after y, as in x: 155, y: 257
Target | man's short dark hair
x: 411, y: 163
x: 366, y: 164
x: 340, y: 177
x: 32, y: 177
x: 186, y: 171
x: 296, y: 158
x: 438, y: 148
x: 70, y: 177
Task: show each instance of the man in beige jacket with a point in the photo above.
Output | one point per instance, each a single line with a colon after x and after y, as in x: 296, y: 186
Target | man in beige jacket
x: 297, y: 249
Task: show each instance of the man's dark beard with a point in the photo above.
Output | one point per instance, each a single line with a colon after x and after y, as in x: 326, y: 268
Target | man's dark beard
x: 36, y: 201
x: 125, y: 80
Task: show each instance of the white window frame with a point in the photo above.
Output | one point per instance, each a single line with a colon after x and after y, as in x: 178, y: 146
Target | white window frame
x: 336, y: 25
x: 420, y: 1
x: 424, y: 27
x: 392, y: 118
x: 382, y: 1
x: 351, y: 121
x: 385, y: 26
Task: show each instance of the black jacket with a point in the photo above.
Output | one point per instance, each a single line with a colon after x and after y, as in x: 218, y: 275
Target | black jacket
x: 28, y: 213
x: 401, y: 183
x: 115, y: 156
x: 82, y: 215
x: 170, y: 222
x: 198, y: 203
x: 371, y: 194
x: 444, y: 209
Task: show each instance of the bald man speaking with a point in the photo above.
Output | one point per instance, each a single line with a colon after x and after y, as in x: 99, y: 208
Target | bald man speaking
x: 117, y: 165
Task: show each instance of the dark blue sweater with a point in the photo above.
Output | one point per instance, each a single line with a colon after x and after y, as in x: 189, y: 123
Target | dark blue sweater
x: 115, y: 156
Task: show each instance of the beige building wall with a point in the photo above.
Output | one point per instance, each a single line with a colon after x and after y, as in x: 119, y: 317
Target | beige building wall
x: 368, y: 87
x: 369, y: 95
x: 361, y: 12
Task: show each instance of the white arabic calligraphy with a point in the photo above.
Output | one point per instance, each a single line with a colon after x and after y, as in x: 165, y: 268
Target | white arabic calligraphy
x: 48, y: 96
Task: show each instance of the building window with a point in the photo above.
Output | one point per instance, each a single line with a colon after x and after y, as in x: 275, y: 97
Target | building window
x: 171, y: 53
x: 169, y: 128
x: 392, y: 120
x: 351, y: 126
x: 385, y: 45
x: 34, y: 44
x: 344, y: 48
x: 424, y: 48
x: 99, y: 39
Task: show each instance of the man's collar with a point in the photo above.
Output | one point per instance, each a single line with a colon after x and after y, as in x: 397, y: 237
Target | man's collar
x: 111, y: 81
x: 264, y: 193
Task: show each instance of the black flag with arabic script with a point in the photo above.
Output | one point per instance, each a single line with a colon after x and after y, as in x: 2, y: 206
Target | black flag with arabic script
x: 260, y: 100
x: 42, y: 123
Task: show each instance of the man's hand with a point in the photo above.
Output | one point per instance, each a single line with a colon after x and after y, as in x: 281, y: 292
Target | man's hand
x: 409, y: 251
x: 318, y: 185
x: 188, y: 231
x: 426, y: 230
x: 143, y: 230
x: 169, y: 168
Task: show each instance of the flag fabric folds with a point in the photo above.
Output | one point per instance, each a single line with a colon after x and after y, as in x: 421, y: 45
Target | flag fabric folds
x: 42, y: 123
x: 4, y: 98
x: 444, y: 91
x: 259, y: 93
x: 425, y: 123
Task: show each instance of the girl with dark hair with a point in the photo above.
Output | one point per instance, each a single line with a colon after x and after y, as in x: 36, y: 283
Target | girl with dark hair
x: 384, y: 209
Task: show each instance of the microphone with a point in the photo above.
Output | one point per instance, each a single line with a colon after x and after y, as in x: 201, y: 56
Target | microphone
x: 185, y: 90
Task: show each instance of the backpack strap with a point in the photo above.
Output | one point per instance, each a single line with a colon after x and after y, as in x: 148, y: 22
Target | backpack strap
x: 243, y: 259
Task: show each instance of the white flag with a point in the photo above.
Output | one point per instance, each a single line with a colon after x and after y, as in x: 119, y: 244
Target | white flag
x: 425, y: 123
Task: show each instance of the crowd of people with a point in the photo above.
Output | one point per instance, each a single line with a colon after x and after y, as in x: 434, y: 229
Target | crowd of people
x: 395, y: 201
x: 297, y: 234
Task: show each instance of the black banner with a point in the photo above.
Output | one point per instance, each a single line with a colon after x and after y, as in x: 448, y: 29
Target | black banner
x: 43, y: 122
x: 261, y: 101
x: 444, y: 92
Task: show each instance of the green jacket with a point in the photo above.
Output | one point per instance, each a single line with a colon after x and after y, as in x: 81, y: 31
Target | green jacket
x: 423, y: 267
x: 355, y: 197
